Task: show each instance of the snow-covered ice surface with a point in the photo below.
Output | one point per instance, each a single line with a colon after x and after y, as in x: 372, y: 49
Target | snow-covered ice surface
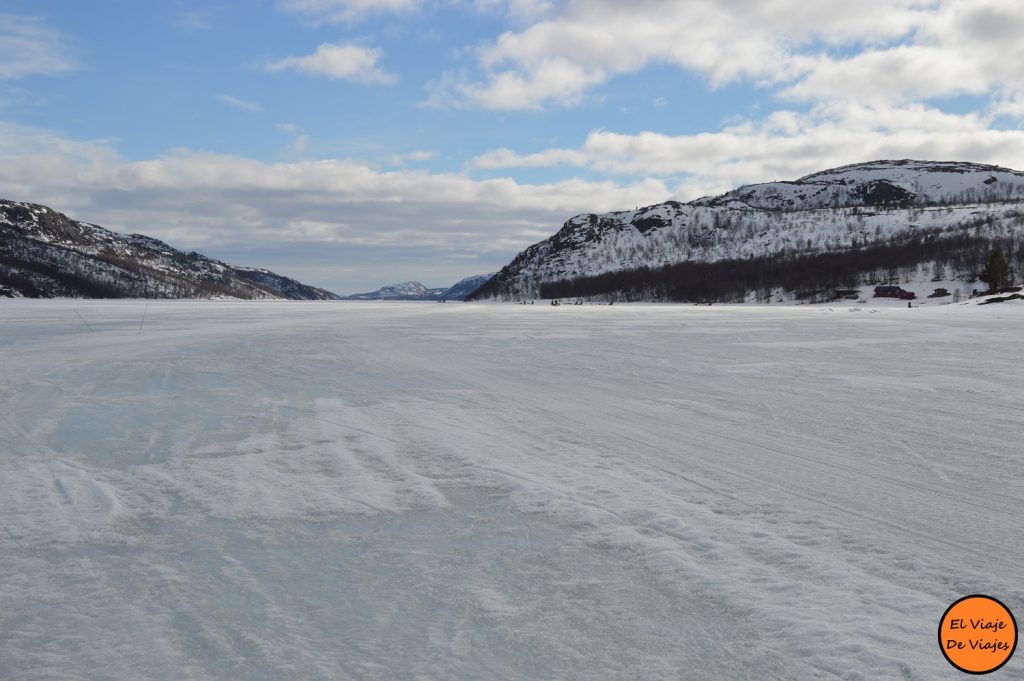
x: 418, y: 491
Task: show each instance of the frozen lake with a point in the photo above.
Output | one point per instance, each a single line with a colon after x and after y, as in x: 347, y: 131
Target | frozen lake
x: 421, y: 491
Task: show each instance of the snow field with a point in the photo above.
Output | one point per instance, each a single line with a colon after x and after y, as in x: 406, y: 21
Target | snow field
x: 378, y: 491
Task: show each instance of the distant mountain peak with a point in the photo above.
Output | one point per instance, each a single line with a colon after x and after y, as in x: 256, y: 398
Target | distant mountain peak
x: 410, y: 287
x: 414, y: 290
x: 406, y: 290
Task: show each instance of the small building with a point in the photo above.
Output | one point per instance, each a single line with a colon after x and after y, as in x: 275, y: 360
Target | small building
x: 890, y: 291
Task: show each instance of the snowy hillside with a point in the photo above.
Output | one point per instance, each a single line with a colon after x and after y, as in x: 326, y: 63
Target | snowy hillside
x: 850, y: 209
x: 882, y: 183
x: 461, y: 289
x: 46, y: 254
x: 285, y: 286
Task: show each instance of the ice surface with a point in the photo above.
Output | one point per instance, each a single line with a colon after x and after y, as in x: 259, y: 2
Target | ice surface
x: 417, y: 491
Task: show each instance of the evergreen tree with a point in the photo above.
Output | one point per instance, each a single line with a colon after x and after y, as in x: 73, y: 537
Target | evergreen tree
x: 997, y: 272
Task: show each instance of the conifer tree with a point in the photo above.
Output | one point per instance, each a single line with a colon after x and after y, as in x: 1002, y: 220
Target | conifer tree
x: 997, y: 272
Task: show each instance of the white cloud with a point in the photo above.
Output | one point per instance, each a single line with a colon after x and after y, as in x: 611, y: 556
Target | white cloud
x: 518, y: 10
x: 884, y: 51
x: 299, y: 140
x: 559, y: 80
x: 341, y: 61
x: 350, y: 11
x: 346, y: 10
x: 238, y: 103
x: 225, y: 204
x: 964, y: 47
x: 506, y: 158
x: 1009, y: 104
x: 417, y: 156
x: 28, y: 47
x: 421, y: 155
x: 784, y: 145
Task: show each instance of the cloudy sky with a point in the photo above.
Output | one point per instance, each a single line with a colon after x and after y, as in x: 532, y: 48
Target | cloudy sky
x: 356, y: 143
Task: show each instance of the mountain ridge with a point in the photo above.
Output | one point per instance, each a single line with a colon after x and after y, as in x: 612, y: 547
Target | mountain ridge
x: 844, y: 209
x: 45, y: 253
x: 414, y: 290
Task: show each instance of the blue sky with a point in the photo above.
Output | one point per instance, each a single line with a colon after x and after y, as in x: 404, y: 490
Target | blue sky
x: 354, y: 143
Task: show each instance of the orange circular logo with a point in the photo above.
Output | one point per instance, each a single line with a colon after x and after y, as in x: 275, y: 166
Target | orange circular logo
x: 978, y: 634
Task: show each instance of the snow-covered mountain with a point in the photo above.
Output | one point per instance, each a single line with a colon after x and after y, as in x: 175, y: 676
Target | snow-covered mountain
x: 461, y: 289
x: 46, y: 254
x: 414, y: 290
x: 864, y: 209
x: 286, y: 287
x: 881, y: 183
x: 407, y: 290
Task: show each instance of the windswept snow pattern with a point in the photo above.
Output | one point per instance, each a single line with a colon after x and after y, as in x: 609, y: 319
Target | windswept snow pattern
x: 399, y: 490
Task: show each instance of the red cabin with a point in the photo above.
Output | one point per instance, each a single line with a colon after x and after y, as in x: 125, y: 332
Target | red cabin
x: 889, y: 291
